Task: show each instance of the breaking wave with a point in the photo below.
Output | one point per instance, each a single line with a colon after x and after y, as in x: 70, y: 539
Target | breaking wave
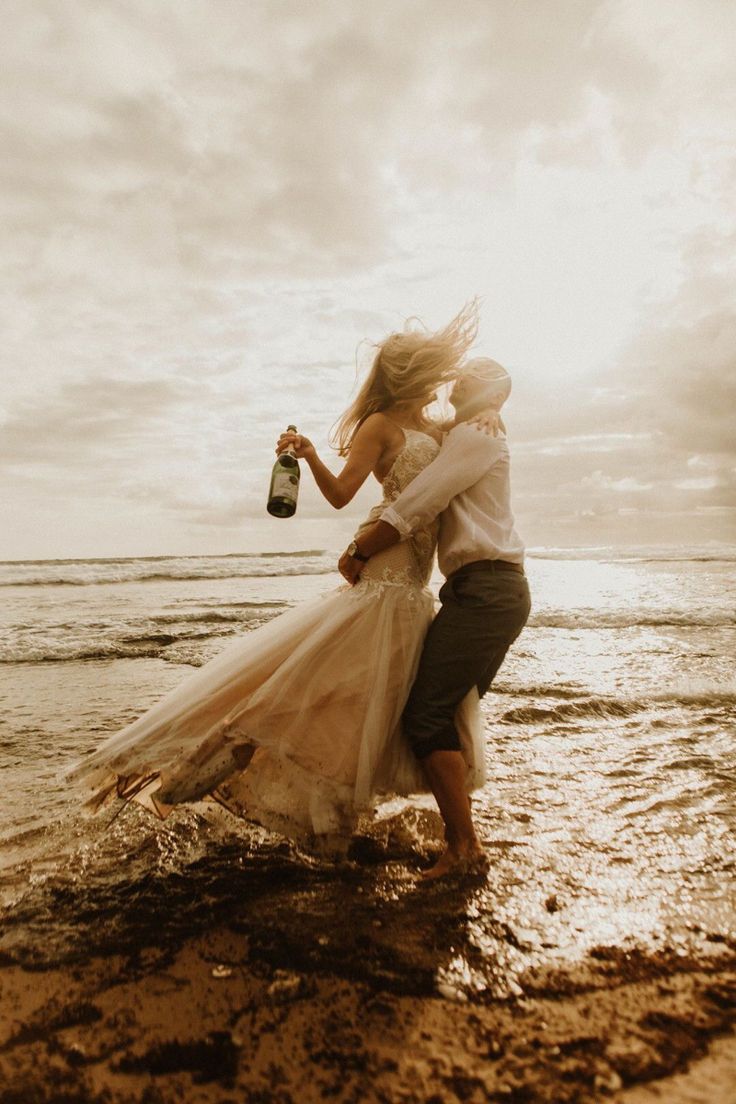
x: 600, y: 707
x: 630, y: 619
x: 145, y: 569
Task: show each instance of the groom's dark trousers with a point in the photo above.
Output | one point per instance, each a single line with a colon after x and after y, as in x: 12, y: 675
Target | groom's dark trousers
x: 485, y: 605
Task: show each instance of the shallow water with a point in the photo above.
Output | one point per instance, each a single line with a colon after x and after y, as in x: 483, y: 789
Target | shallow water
x: 609, y: 817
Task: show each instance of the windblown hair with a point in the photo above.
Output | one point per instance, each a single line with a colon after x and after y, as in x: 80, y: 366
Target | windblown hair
x: 408, y: 366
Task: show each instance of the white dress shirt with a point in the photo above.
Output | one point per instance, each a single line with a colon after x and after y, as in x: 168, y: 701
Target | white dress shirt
x: 468, y: 485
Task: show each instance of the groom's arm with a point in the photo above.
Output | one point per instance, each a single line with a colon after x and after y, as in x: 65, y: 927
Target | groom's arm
x: 378, y: 536
x: 373, y: 539
x: 465, y: 456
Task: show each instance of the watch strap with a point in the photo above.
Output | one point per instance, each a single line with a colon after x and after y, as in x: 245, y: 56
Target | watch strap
x: 356, y: 553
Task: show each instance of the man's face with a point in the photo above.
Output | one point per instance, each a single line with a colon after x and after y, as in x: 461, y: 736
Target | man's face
x: 469, y: 389
x: 462, y: 390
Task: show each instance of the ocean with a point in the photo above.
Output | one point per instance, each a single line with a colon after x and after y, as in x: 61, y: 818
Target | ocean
x: 611, y: 735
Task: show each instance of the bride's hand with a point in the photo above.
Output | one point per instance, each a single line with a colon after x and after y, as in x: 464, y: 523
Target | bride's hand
x: 489, y: 422
x: 302, y: 446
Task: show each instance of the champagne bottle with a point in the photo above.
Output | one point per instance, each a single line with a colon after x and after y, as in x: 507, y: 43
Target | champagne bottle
x: 284, y: 489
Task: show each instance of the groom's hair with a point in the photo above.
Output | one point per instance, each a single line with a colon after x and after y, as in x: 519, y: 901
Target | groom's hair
x: 493, y: 381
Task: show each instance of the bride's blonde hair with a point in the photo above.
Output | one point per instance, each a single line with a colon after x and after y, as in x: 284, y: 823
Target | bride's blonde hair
x: 408, y: 365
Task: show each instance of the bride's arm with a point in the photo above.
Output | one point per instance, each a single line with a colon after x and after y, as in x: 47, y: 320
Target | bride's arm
x: 365, y: 452
x: 490, y: 421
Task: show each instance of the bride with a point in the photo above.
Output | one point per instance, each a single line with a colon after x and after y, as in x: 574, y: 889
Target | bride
x: 295, y: 725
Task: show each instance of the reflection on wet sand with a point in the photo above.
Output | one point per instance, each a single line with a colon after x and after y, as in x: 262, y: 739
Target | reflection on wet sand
x: 259, y: 969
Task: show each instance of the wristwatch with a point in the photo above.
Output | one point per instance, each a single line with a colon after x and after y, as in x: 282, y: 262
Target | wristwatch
x: 355, y: 552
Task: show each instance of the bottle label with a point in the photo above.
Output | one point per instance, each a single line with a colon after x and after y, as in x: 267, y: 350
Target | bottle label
x: 285, y: 486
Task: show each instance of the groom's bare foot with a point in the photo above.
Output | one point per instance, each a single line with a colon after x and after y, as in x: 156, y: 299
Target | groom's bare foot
x: 452, y: 861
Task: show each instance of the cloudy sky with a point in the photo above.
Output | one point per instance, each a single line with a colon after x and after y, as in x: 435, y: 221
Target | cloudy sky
x: 209, y: 208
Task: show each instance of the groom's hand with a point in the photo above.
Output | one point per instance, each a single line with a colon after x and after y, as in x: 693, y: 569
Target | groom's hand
x: 350, y: 568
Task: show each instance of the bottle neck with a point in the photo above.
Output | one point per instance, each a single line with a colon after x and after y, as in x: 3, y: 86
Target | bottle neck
x: 290, y: 450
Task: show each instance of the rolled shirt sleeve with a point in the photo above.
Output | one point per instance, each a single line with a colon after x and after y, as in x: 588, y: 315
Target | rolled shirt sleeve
x: 466, y: 455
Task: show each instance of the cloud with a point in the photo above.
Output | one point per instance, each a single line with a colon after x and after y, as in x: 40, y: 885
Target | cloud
x: 599, y: 481
x: 208, y: 205
x: 682, y: 367
x: 87, y: 421
x: 654, y: 431
x: 204, y: 141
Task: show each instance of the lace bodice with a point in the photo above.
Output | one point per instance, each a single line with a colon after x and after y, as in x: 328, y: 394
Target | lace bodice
x: 410, y: 562
x: 419, y: 450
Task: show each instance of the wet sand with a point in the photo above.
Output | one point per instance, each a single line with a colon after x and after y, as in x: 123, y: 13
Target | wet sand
x: 342, y: 989
x: 207, y: 1023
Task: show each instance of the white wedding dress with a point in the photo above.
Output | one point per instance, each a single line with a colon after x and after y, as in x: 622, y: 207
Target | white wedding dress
x: 296, y: 725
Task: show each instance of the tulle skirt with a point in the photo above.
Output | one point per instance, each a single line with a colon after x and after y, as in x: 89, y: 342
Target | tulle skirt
x: 295, y: 725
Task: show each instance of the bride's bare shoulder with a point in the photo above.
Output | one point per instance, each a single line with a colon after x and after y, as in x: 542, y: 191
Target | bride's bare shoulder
x: 375, y: 436
x: 375, y: 426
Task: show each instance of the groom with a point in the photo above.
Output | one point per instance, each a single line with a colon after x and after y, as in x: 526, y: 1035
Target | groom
x: 485, y: 600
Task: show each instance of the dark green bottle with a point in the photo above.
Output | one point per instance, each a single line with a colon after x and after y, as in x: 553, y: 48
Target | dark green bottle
x: 284, y: 489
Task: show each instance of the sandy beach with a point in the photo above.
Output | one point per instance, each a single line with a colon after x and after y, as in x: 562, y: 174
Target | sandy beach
x: 265, y: 1012
x: 356, y: 982
x: 202, y: 961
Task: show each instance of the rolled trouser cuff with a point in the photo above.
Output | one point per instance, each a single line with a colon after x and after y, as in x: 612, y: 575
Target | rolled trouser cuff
x: 444, y: 739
